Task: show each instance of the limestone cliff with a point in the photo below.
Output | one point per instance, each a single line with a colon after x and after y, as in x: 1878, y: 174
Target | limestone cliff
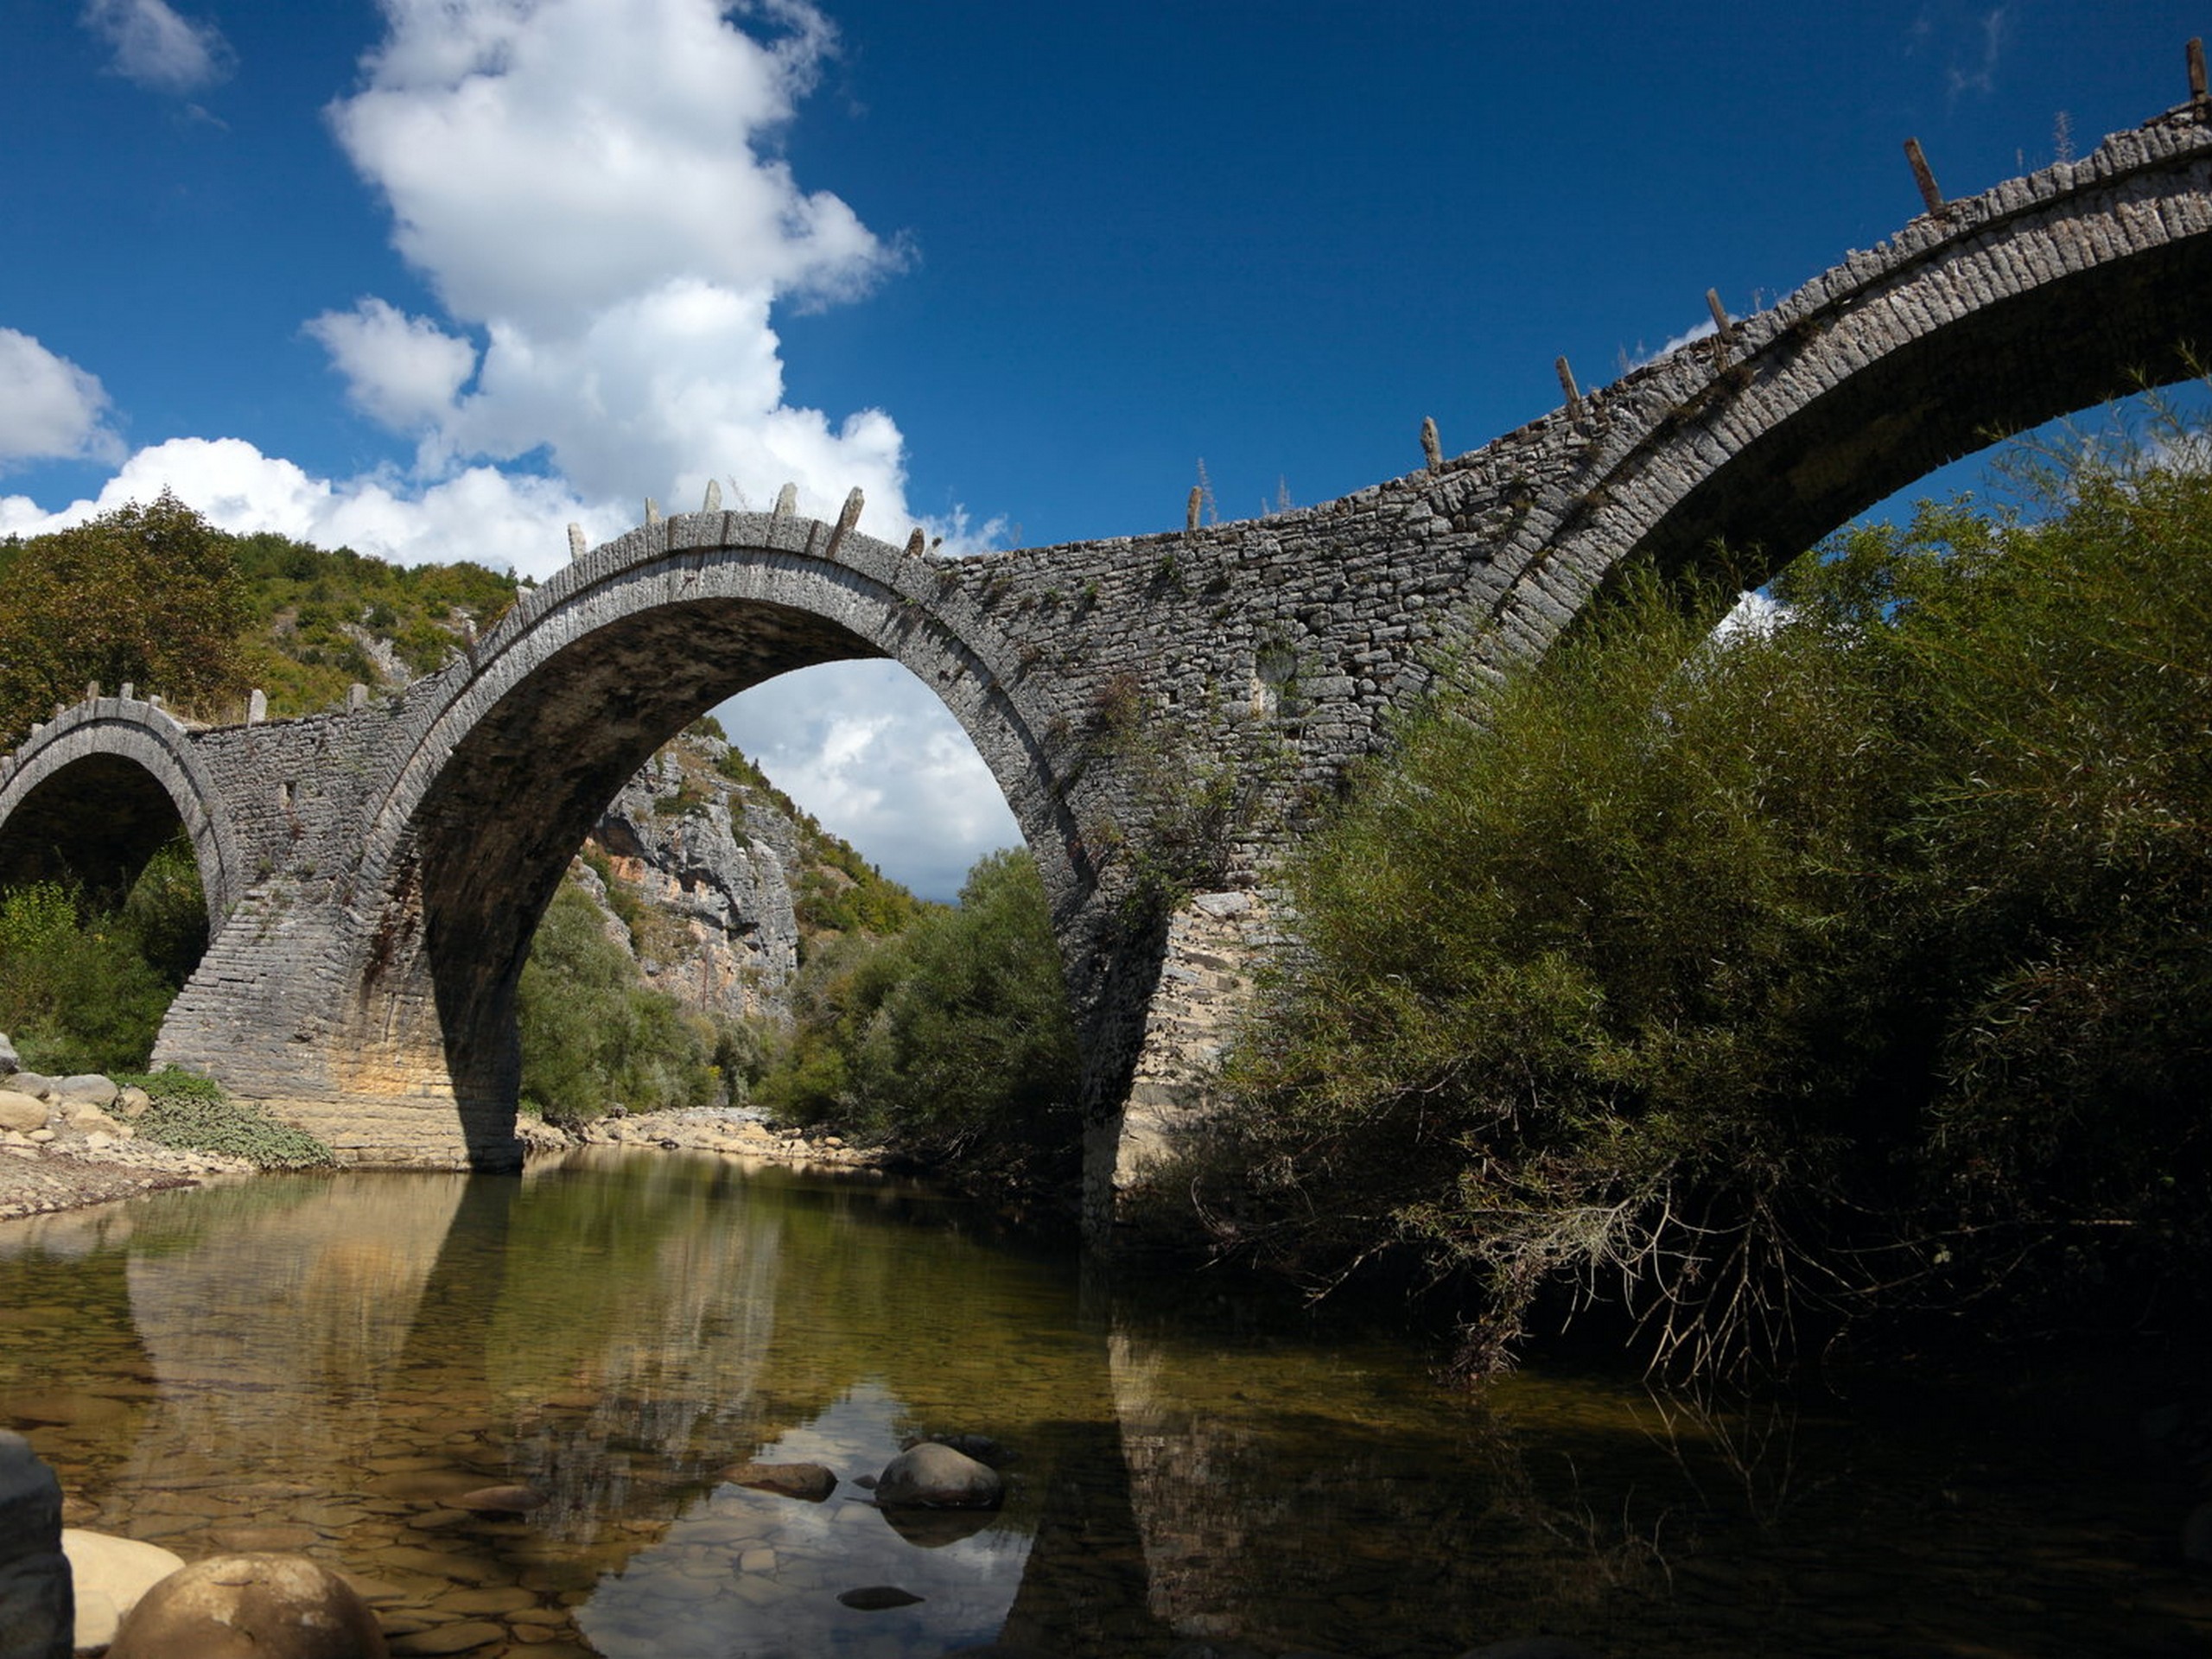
x: 696, y: 870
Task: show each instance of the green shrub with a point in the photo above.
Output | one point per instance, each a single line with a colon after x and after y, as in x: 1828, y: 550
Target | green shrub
x: 951, y: 1038
x: 194, y: 1113
x: 594, y: 1037
x: 1747, y: 987
x: 84, y: 980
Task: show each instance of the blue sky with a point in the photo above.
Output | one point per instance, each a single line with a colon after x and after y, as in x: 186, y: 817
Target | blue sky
x: 433, y: 277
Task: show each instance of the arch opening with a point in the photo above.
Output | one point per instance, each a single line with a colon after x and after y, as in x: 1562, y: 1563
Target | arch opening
x: 483, y: 851
x: 102, y: 915
x: 2007, y: 366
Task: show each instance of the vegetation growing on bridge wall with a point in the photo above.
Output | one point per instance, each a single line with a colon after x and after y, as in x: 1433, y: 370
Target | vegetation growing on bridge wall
x: 1855, y: 965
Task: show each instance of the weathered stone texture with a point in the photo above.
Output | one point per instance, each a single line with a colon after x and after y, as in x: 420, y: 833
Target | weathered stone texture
x: 1173, y: 702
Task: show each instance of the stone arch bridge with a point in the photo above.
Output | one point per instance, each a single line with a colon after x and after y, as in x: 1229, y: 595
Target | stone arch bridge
x: 1158, y: 710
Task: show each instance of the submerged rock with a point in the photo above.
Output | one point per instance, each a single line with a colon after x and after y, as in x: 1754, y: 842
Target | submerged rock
x: 877, y: 1596
x: 810, y: 1481
x: 931, y: 1476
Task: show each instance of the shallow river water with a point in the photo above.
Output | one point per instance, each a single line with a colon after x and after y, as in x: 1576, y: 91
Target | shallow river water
x: 321, y: 1364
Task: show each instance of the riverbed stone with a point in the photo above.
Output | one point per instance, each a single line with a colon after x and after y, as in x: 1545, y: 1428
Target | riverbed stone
x: 499, y: 1500
x: 85, y: 1088
x: 931, y: 1475
x: 35, y: 1616
x: 464, y: 1636
x: 20, y: 1112
x: 112, y: 1574
x: 250, y: 1606
x: 810, y: 1481
x: 877, y: 1598
x: 36, y: 1084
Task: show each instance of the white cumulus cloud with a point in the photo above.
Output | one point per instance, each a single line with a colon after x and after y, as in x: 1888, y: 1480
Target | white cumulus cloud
x: 49, y: 408
x: 593, y: 195
x: 156, y: 49
x: 400, y: 370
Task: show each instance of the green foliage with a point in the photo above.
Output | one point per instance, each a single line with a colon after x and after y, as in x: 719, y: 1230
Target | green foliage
x: 311, y: 609
x: 147, y: 595
x: 593, y: 1036
x: 193, y: 1112
x: 85, y: 979
x: 951, y: 1038
x: 1863, y: 959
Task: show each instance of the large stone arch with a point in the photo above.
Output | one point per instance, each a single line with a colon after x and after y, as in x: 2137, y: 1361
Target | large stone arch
x: 507, y: 757
x: 2084, y: 282
x: 93, y: 792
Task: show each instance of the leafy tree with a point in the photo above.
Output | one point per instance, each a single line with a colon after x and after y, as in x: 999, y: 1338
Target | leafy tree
x: 148, y: 594
x: 594, y: 1037
x: 952, y: 1038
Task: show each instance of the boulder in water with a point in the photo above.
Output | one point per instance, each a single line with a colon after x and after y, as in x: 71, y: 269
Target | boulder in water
x: 111, y: 1574
x: 810, y: 1481
x: 250, y: 1606
x: 934, y: 1476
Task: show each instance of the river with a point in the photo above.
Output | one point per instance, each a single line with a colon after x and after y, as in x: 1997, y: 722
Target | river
x: 322, y: 1364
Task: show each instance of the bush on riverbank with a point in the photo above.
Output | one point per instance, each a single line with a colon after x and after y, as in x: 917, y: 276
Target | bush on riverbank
x: 192, y: 1113
x: 1858, y: 961
x: 951, y: 1039
x: 594, y: 1036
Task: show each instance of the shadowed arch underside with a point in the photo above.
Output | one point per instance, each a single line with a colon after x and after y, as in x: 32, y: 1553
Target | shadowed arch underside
x: 490, y: 785
x: 94, y: 795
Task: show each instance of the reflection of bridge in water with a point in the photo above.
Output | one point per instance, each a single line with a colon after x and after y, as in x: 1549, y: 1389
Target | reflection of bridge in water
x: 374, y: 878
x: 327, y: 1365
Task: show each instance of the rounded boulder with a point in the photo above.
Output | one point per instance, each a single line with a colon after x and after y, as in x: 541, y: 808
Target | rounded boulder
x: 250, y: 1606
x: 934, y: 1476
x: 111, y: 1575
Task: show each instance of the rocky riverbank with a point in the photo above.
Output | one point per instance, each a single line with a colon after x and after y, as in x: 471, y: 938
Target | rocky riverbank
x: 59, y: 1152
x: 67, y: 1142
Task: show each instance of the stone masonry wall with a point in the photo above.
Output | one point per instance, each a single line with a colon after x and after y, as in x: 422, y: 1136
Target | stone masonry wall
x: 1161, y: 711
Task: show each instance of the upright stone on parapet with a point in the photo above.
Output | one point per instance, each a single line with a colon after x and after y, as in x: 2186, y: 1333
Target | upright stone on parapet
x: 1191, y: 509
x: 357, y: 697
x: 914, y: 543
x: 713, y: 501
x: 652, y: 510
x: 1724, y: 331
x: 846, y: 520
x: 257, y: 706
x: 1924, y: 176
x: 1432, y: 446
x: 576, y: 543
x: 787, y: 501
x: 130, y: 691
x: 1566, y: 385
x: 38, y: 1608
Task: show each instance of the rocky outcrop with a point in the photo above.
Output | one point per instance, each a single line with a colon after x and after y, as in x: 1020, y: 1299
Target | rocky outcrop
x: 709, y: 862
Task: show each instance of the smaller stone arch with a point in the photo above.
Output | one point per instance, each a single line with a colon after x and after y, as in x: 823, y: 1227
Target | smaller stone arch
x: 95, y: 791
x: 2085, y: 281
